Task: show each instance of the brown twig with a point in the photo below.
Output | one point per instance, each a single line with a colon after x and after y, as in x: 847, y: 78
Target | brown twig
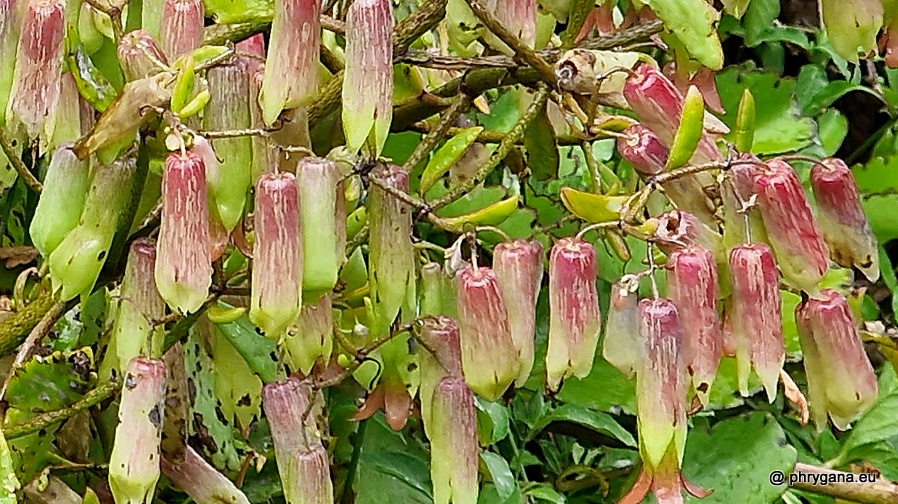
x: 17, y: 163
x: 810, y: 478
x: 361, y: 355
x: 437, y: 133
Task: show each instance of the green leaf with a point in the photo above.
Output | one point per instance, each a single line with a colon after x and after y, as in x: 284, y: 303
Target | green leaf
x: 544, y: 493
x: 759, y: 18
x: 256, y: 350
x: 490, y: 495
x: 50, y: 383
x: 693, y: 22
x: 778, y: 127
x: 602, y: 423
x: 443, y: 159
x: 542, y: 149
x: 735, y: 457
x: 880, y: 212
x: 8, y: 481
x: 236, y: 11
x: 500, y: 473
x: 492, y: 421
x: 392, y: 468
x: 604, y: 389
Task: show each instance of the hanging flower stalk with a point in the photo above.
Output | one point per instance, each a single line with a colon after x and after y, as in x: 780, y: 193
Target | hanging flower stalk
x: 62, y: 200
x: 38, y: 66
x: 277, y: 255
x: 368, y: 82
x: 841, y: 382
x: 140, y: 305
x: 76, y: 263
x: 453, y: 444
x: 301, y: 458
x: 139, y: 55
x: 229, y: 109
x: 310, y: 339
x: 519, y: 267
x: 792, y: 231
x: 692, y: 286
x: 201, y: 481
x: 489, y: 359
x: 183, y: 265
x: 391, y: 256
x: 622, y: 346
x: 574, y: 318
x: 440, y: 358
x: 318, y: 180
x: 648, y: 155
x: 754, y: 316
x: 843, y: 223
x: 181, y: 29
x: 134, y: 462
x: 291, y: 69
x: 661, y: 384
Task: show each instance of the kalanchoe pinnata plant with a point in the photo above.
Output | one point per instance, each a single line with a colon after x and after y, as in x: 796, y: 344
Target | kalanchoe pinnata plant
x: 792, y: 231
x: 277, y: 255
x: 622, y: 344
x: 574, y: 318
x: 181, y: 29
x: 841, y: 382
x: 453, y: 443
x: 76, y: 263
x: 183, y: 263
x: 310, y: 338
x: 391, y: 255
x: 661, y: 385
x: 62, y: 200
x: 368, y: 83
x: 754, y: 318
x: 140, y: 55
x: 519, y: 267
x: 201, y: 481
x: 489, y: 358
x: 134, y: 332
x: 228, y: 108
x: 291, y: 69
x: 134, y: 462
x: 318, y: 180
x: 840, y: 215
x: 301, y: 458
x: 692, y: 286
x: 441, y: 357
x: 38, y: 68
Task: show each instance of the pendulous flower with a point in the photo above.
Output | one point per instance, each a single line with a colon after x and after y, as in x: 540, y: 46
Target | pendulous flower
x: 319, y: 180
x: 181, y: 29
x: 519, y: 267
x: 453, y: 444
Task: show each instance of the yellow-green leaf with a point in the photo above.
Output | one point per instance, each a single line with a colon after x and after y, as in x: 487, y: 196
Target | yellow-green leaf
x: 449, y: 153
x: 693, y: 22
x: 745, y: 123
x: 487, y: 216
x: 592, y: 207
x: 690, y: 130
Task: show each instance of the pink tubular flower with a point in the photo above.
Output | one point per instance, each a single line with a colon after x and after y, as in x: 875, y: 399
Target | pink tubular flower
x: 643, y: 149
x: 182, y: 27
x: 134, y: 462
x: 677, y: 229
x: 38, y: 70
x: 658, y: 105
x: 318, y: 180
x: 736, y: 193
x: 791, y: 228
x: 489, y: 358
x: 291, y: 69
x: 755, y: 320
x: 368, y: 82
x: 692, y: 286
x: 277, y: 255
x: 201, y: 481
x: 440, y: 335
x: 136, y: 52
x: 842, y: 220
x: 519, y: 268
x: 453, y: 444
x: 183, y: 266
x: 841, y: 382
x: 574, y: 318
x: 622, y: 345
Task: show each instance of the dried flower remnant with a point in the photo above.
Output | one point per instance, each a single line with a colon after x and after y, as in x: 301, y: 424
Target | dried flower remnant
x: 489, y: 359
x: 368, y: 81
x: 574, y: 318
x: 519, y: 267
x: 840, y: 215
x: 754, y: 319
x: 276, y: 295
x: 140, y: 55
x: 841, y: 381
x: 183, y: 264
x: 792, y: 231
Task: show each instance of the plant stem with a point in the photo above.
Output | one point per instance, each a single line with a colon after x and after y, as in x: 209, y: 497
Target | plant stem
x: 881, y: 491
x: 44, y: 420
x: 430, y: 140
x: 354, y: 461
x: 17, y: 163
